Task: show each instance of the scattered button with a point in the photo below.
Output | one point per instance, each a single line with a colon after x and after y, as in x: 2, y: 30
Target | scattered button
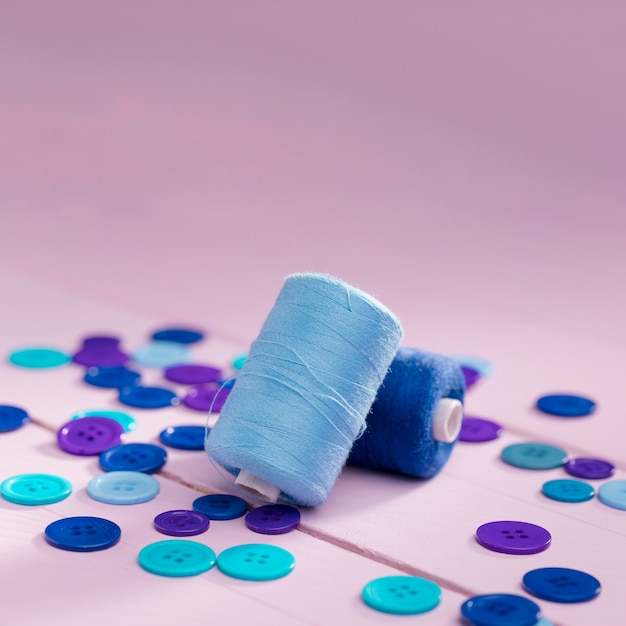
x: 162, y: 354
x: 273, y: 519
x: 178, y: 335
x: 477, y: 429
x: 206, y: 399
x: 111, y: 377
x: 500, y: 609
x: 239, y: 360
x: 127, y: 421
x: 589, y: 468
x: 560, y: 584
x: 533, y: 455
x: 193, y: 374
x: 613, y: 494
x: 565, y: 405
x: 256, y: 561
x: 184, y: 437
x: 402, y: 595
x: 39, y: 358
x: 512, y: 537
x: 90, y: 436
x: 35, y: 489
x: 148, y: 397
x: 100, y: 355
x: 82, y: 534
x: 12, y: 418
x: 470, y: 375
x: 100, y: 340
x: 135, y: 457
x: 181, y: 523
x: 568, y: 490
x: 120, y: 487
x: 481, y: 365
x: 176, y: 558
x: 220, y: 506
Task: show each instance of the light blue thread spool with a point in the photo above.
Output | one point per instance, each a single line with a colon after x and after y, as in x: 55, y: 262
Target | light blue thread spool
x: 304, y: 392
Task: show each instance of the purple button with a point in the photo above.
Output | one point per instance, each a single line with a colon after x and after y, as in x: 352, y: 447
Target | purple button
x: 181, y: 523
x: 90, y: 435
x: 513, y: 537
x: 273, y: 519
x: 206, y: 398
x: 470, y: 375
x: 193, y: 374
x: 100, y: 355
x: 101, y: 340
x: 477, y: 429
x: 589, y: 468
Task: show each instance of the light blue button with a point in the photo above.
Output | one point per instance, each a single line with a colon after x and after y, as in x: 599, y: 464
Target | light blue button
x: 533, y: 455
x: 256, y: 561
x: 565, y: 490
x: 121, y: 487
x: 613, y: 494
x: 402, y: 595
x: 39, y: 358
x: 162, y: 354
x: 176, y: 558
x: 34, y: 489
x: 127, y: 421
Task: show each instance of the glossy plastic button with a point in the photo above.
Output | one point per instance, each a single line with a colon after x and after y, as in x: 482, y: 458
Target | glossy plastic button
x: 39, y: 358
x: 181, y: 523
x: 589, y: 468
x: 500, y: 609
x: 184, y: 437
x: 176, y: 558
x: 148, y: 397
x: 123, y: 487
x: 90, y: 436
x: 101, y: 355
x: 533, y: 455
x: 565, y: 405
x: 111, y: 377
x: 82, y: 534
x: 256, y: 561
x: 512, y: 537
x: 101, y: 340
x: 565, y: 490
x: 273, y: 519
x: 128, y: 422
x: 193, y: 374
x: 162, y: 354
x: 402, y: 595
x: 560, y: 584
x: 478, y: 429
x: 34, y: 489
x: 12, y: 418
x: 178, y: 335
x: 206, y: 399
x: 613, y: 494
x: 135, y: 457
x: 220, y: 506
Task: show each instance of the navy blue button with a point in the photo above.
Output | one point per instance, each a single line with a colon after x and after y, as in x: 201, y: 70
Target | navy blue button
x: 560, y: 584
x: 220, y: 506
x: 148, y: 397
x: 82, y: 534
x: 111, y: 377
x: 184, y: 437
x: 12, y: 418
x: 178, y: 335
x: 565, y: 405
x: 500, y: 609
x: 133, y: 457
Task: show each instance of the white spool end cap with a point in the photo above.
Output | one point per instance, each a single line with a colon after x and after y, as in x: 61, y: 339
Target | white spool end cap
x: 447, y: 420
x: 257, y: 485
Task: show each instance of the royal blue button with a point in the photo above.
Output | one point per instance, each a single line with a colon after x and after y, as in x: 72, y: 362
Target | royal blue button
x: 12, y: 418
x: 613, y: 494
x: 273, y: 519
x: 35, y: 489
x: 565, y: 405
x: 184, y: 437
x: 123, y: 487
x: 256, y: 561
x: 402, y: 595
x: 134, y: 457
x: 90, y: 436
x: 148, y: 397
x: 500, y: 609
x: 176, y: 558
x: 220, y: 506
x: 564, y: 490
x: 181, y: 523
x: 82, y: 534
x: 534, y: 455
x: 478, y: 429
x: 560, y: 584
x: 162, y: 354
x: 589, y: 468
x: 111, y: 377
x: 178, y: 335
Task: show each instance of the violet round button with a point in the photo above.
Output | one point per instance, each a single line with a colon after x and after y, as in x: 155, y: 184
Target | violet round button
x: 101, y: 340
x: 510, y: 537
x: 100, y: 355
x: 273, y: 519
x: 181, y: 523
x: 206, y: 399
x: 477, y: 429
x: 192, y: 374
x: 90, y: 436
x: 589, y: 468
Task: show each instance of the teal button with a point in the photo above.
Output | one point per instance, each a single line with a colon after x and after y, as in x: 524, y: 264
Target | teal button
x: 39, y: 358
x: 613, y: 494
x: 402, y: 595
x: 256, y: 561
x: 565, y: 490
x: 533, y: 455
x: 176, y: 558
x: 127, y: 421
x: 34, y: 489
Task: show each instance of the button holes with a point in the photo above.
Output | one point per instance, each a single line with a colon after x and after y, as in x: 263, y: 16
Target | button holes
x: 187, y: 555
x: 262, y: 561
x: 505, y: 532
x: 90, y: 438
x: 91, y: 532
x: 399, y: 595
x: 251, y: 554
x: 167, y: 556
x: 247, y: 560
x: 412, y: 593
x: 77, y: 532
x: 523, y: 536
x: 265, y: 556
x: 519, y: 532
x: 178, y: 560
x: 510, y: 536
x: 32, y: 489
x: 129, y: 488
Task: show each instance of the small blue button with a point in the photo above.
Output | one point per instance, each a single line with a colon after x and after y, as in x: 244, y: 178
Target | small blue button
x: 560, y: 584
x: 12, y: 418
x: 82, y: 534
x: 564, y: 490
x: 565, y: 405
x: 613, y: 494
x: 178, y: 335
x: 184, y: 437
x: 111, y: 377
x: 123, y: 487
x: 162, y: 354
x: 534, y: 455
x: 135, y: 457
x: 148, y: 397
x: 500, y: 609
x: 220, y: 506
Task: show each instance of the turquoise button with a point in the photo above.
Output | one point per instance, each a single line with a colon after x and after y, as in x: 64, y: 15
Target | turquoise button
x: 127, y: 421
x: 39, y: 358
x: 613, y: 494
x: 565, y: 490
x: 176, y: 558
x: 402, y: 595
x: 256, y: 561
x: 33, y: 489
x: 533, y: 455
x: 123, y: 487
x: 162, y: 354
